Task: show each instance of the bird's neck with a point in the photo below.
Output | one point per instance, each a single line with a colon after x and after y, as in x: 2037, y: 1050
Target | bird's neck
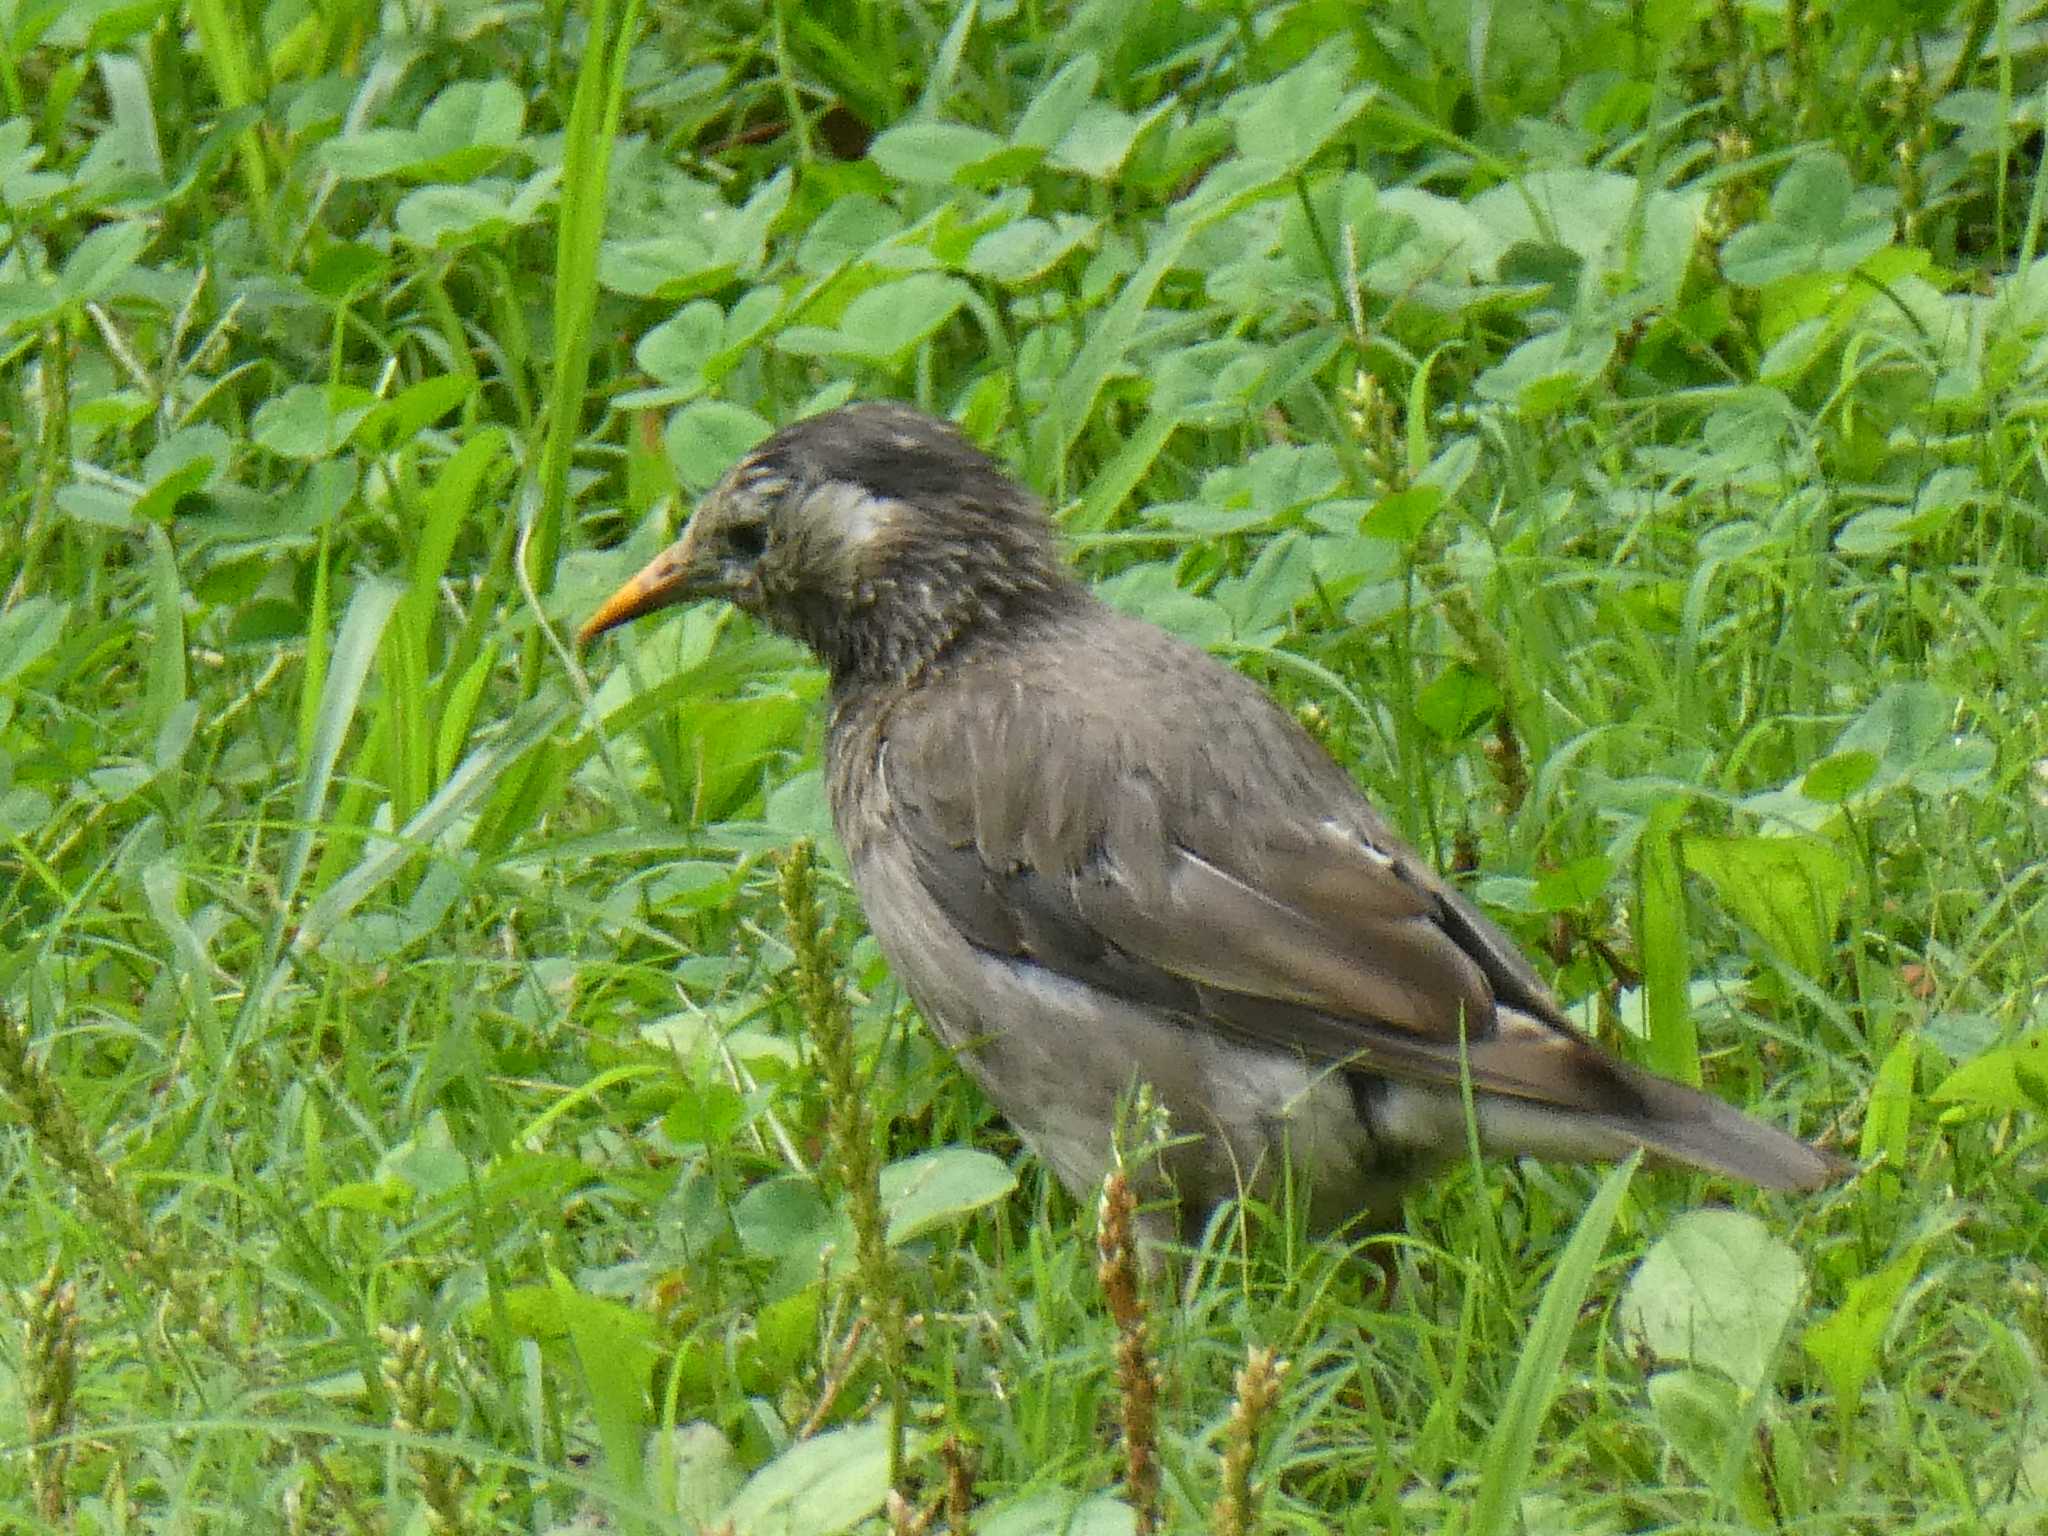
x: 903, y: 627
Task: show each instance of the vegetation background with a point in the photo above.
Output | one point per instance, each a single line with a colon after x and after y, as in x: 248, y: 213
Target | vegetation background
x: 1615, y: 425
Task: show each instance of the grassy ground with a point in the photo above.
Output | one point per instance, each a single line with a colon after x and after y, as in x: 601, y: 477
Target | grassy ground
x: 1615, y: 427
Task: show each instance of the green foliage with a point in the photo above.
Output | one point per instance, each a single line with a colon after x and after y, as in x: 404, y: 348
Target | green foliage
x: 1613, y: 428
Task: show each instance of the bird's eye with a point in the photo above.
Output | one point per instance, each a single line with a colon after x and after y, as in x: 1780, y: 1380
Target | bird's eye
x: 747, y: 540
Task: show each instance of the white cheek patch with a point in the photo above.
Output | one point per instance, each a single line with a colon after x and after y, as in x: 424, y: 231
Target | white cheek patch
x: 845, y: 516
x: 866, y: 520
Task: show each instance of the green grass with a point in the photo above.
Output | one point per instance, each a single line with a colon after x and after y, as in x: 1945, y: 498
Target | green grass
x: 1615, y: 428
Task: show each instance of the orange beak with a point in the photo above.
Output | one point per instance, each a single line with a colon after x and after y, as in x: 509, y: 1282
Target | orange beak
x: 671, y: 577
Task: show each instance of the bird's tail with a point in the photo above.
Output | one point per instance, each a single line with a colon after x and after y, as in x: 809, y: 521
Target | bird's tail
x: 1701, y: 1131
x: 1670, y: 1121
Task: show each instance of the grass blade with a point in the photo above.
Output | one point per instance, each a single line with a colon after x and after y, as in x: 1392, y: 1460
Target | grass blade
x: 593, y: 125
x: 1511, y: 1448
x: 1666, y: 947
x: 476, y: 774
x: 362, y: 627
x: 167, y: 685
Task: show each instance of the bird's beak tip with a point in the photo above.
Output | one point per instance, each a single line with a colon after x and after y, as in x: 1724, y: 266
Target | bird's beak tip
x: 606, y: 618
x: 611, y: 613
x: 663, y: 581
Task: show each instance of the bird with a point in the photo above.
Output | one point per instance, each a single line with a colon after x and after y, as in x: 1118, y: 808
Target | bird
x: 1101, y: 860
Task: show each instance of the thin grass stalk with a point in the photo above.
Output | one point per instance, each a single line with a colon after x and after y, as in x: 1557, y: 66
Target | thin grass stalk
x: 1983, y: 16
x: 1664, y: 941
x: 1511, y: 1446
x: 53, y: 457
x: 226, y: 43
x: 828, y: 1021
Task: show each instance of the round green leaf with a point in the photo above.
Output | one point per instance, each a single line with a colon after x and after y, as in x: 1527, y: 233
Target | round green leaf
x: 849, y: 229
x: 676, y: 351
x: 1402, y: 515
x: 1059, y: 1513
x: 707, y: 438
x: 1546, y: 372
x: 1716, y: 1290
x: 1576, y: 886
x: 782, y: 1217
x: 931, y: 154
x: 1458, y: 702
x: 1790, y: 890
x: 828, y: 1483
x: 885, y: 324
x: 1697, y: 1412
x: 442, y: 218
x: 309, y: 421
x: 1838, y: 776
x: 101, y: 260
x: 924, y: 1192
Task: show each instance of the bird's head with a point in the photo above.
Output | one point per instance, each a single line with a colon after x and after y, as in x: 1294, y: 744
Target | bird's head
x: 875, y: 534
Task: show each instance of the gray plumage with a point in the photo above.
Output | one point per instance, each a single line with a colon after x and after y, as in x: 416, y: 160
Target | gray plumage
x: 1095, y: 856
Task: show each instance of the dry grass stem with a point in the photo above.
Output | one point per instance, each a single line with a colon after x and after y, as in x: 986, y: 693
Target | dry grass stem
x: 835, y: 1380
x: 49, y: 1378
x: 1258, y: 1387
x: 905, y: 1518
x: 413, y: 1379
x: 60, y: 1136
x: 1137, y: 1380
x: 959, y: 1486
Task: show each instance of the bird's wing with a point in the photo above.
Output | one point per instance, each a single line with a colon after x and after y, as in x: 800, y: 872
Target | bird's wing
x: 1243, y: 882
